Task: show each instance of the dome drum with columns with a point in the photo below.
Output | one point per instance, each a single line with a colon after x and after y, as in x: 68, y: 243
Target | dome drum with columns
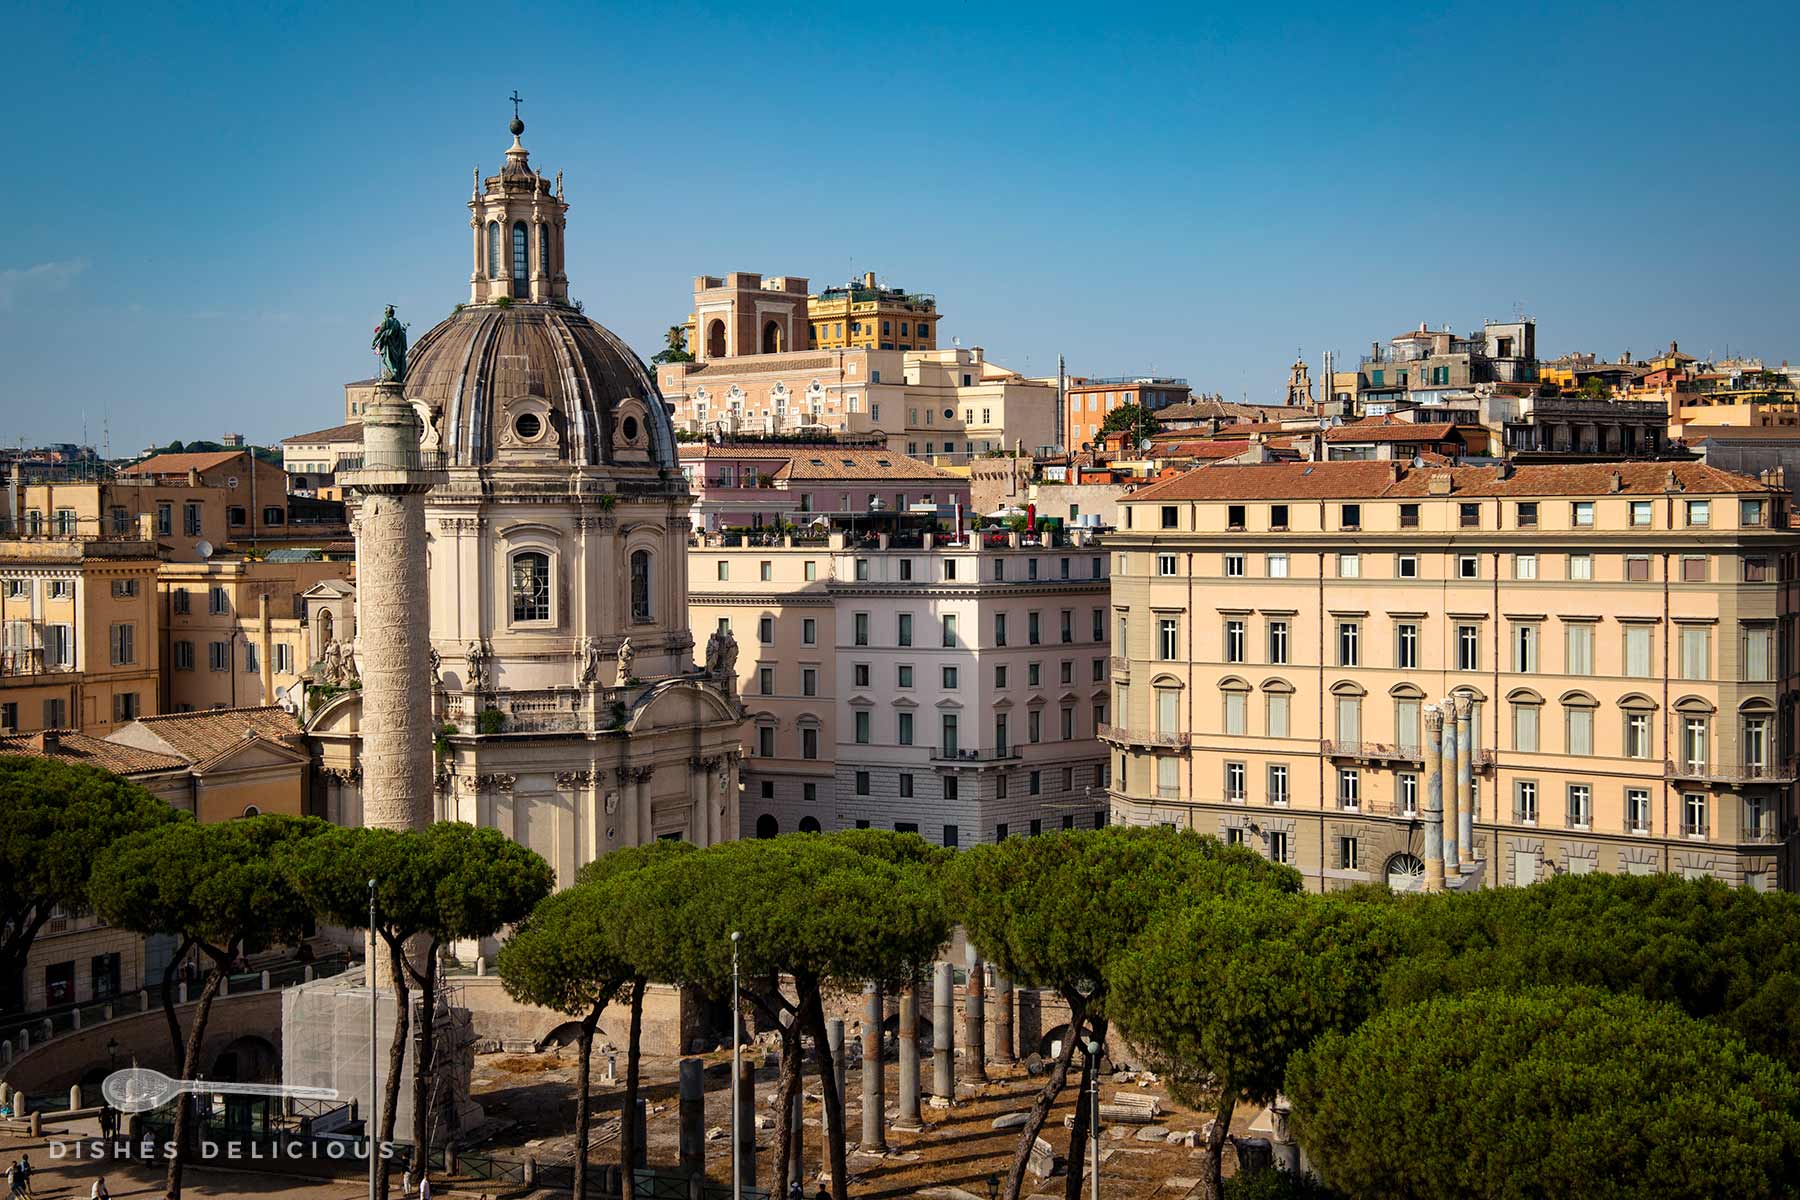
x: 556, y: 569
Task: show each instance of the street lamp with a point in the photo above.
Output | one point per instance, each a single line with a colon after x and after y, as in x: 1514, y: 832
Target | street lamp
x: 1093, y: 1052
x: 993, y: 1187
x: 737, y: 1072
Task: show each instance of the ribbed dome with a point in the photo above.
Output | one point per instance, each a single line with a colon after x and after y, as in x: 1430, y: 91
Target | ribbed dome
x: 485, y: 372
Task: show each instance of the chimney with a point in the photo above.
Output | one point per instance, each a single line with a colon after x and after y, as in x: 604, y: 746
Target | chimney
x: 1615, y: 482
x: 47, y: 742
x: 1440, y: 484
x: 1670, y: 483
x: 868, y: 279
x: 193, y: 477
x: 1394, y: 470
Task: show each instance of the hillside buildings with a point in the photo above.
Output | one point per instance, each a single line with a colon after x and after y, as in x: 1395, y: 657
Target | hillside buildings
x: 902, y: 679
x: 1623, y: 633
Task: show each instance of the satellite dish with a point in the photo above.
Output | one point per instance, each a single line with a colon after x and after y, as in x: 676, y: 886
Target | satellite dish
x: 203, y: 548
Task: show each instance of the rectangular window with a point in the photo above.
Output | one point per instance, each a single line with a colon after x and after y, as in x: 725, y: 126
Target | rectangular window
x: 864, y: 719
x: 1758, y: 653
x: 124, y: 644
x: 1350, y: 516
x: 1349, y: 789
x: 1276, y: 714
x: 1581, y: 566
x: 1406, y: 646
x: 1525, y: 649
x: 859, y: 674
x: 1278, y: 845
x: 1278, y: 516
x: 1000, y: 629
x: 1171, y: 518
x: 1409, y: 516
x: 1525, y: 806
x: 218, y: 656
x: 903, y: 676
x: 1637, y: 810
x: 950, y: 683
x: 809, y: 741
x: 809, y: 631
x: 1346, y: 854
x: 859, y: 624
x: 903, y: 633
x: 1068, y: 722
x: 1637, y: 568
x: 949, y: 635
x: 1581, y: 806
x: 1693, y: 568
x: 1407, y: 720
x: 190, y: 519
x: 1468, y: 566
x: 1349, y: 719
x: 1694, y: 744
x: 862, y: 783
x: 1278, y: 783
x: 1637, y: 735
x: 767, y: 570
x: 1406, y: 566
x: 1699, y: 513
x: 1409, y: 794
x: 1349, y: 566
x: 765, y: 681
x: 1582, y: 514
x: 1750, y: 512
x: 1468, y: 516
x: 1235, y: 720
x: 1468, y: 647
x: 1525, y: 566
x: 1349, y: 644
x: 1525, y: 728
x: 125, y: 706
x: 765, y: 630
x: 218, y: 601
x: 1099, y: 627
x: 250, y: 665
x: 1278, y: 642
x: 1167, y: 639
x: 1234, y: 781
x: 1234, y: 641
x: 1637, y: 651
x: 904, y: 732
x: 1277, y: 565
x: 1580, y: 733
x: 1168, y: 780
x: 1693, y: 814
x: 1526, y: 514
x: 1696, y: 651
x: 1756, y: 569
x: 1640, y: 514
x: 183, y: 653
x: 1234, y: 517
x: 948, y: 732
x: 1066, y: 626
x: 1165, y: 564
x: 1033, y: 627
x: 1578, y: 649
x: 811, y: 570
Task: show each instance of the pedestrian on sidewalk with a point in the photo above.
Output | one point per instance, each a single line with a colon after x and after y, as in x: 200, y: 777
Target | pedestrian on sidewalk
x: 25, y: 1176
x: 99, y: 1191
x: 425, y: 1187
x: 12, y: 1179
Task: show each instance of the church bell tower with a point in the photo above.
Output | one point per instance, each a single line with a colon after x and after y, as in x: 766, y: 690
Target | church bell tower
x: 517, y: 225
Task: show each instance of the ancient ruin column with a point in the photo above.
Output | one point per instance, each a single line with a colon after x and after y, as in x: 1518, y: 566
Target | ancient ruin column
x: 797, y: 1135
x: 1465, y: 786
x: 874, y: 1094
x: 975, y: 1017
x: 943, y: 1034
x: 693, y: 1118
x: 1003, y: 1020
x: 391, y: 639
x: 1448, y: 771
x: 1434, y: 799
x: 834, y: 1040
x: 909, y: 1057
x: 746, y: 1122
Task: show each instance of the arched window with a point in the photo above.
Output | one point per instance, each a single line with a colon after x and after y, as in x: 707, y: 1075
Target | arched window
x: 771, y: 339
x: 531, y: 586
x: 767, y: 826
x: 494, y: 256
x: 715, y: 338
x: 521, y: 267
x: 640, y: 585
x: 544, y: 250
x: 809, y: 824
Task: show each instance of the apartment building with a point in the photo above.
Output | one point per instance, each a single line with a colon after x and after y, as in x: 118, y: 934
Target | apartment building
x: 757, y: 484
x: 914, y: 680
x: 1088, y: 401
x: 1624, y: 634
x: 235, y: 630
x: 78, y: 625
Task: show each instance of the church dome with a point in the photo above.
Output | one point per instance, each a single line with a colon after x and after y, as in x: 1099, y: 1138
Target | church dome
x: 537, y: 382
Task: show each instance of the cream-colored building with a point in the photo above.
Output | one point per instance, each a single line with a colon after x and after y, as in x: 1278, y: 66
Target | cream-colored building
x: 915, y: 681
x: 1621, y: 631
x: 78, y: 632
x: 235, y: 629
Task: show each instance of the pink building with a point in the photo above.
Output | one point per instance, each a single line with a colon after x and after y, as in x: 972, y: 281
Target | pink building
x: 754, y: 484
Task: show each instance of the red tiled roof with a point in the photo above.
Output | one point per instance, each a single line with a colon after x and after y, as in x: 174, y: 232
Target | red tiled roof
x: 70, y: 746
x: 181, y: 464
x: 1397, y: 431
x: 337, y: 433
x: 1375, y: 479
x: 823, y: 462
x: 200, y: 736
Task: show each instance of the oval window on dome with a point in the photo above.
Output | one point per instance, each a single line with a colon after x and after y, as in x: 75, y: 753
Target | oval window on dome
x: 631, y: 429
x: 528, y: 426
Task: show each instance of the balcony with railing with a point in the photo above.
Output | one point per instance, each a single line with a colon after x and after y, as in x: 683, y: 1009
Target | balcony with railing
x: 30, y: 660
x: 1373, y: 752
x: 1122, y: 736
x: 1785, y: 771
x: 971, y: 756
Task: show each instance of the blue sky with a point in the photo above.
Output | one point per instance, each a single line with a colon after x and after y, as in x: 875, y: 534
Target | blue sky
x: 211, y: 204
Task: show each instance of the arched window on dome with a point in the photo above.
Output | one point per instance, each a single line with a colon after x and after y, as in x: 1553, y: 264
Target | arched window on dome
x: 494, y: 255
x: 530, y: 586
x: 544, y: 250
x: 521, y: 268
x: 640, y: 585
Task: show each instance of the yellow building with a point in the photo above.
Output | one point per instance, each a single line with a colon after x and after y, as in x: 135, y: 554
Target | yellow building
x: 873, y: 317
x: 78, y: 625
x: 235, y: 629
x: 1618, y: 633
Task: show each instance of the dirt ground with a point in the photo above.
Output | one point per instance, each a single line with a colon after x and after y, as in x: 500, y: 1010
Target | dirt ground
x: 532, y: 1098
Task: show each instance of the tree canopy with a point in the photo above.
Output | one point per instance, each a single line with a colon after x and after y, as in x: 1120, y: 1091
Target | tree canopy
x: 1221, y: 993
x: 1553, y: 1092
x: 1729, y: 955
x: 1133, y: 417
x: 56, y: 818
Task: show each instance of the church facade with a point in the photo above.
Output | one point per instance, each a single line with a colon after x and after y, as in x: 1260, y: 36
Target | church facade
x: 567, y: 706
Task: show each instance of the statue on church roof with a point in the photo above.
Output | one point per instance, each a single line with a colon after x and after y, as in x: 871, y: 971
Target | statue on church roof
x: 627, y: 656
x: 390, y: 344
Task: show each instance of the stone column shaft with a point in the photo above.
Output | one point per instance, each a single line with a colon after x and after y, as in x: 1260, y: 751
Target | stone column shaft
x: 943, y: 1034
x: 1434, y: 799
x: 1004, y: 1055
x: 692, y: 1115
x: 797, y: 1135
x: 975, y: 1016
x: 909, y: 1057
x: 746, y: 1122
x: 1450, y: 770
x: 1465, y: 785
x: 874, y: 1095
x: 834, y: 1040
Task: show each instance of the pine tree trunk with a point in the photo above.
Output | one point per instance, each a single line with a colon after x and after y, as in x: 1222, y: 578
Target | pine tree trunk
x: 785, y: 1090
x: 190, y: 1068
x: 1212, y: 1163
x: 168, y: 996
x: 584, y: 1042
x: 1078, y: 1136
x: 425, y: 1063
x: 390, y: 1101
x: 1040, y: 1108
x: 628, y: 1143
x: 814, y: 1007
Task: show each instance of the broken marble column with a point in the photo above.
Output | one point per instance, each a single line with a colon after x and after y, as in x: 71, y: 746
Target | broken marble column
x: 1434, y: 799
x: 746, y: 1122
x: 1003, y: 1020
x: 834, y: 1040
x: 909, y: 1057
x: 975, y: 1017
x: 1449, y: 769
x: 943, y: 1034
x: 692, y: 1136
x: 1465, y: 786
x: 874, y: 1095
x: 643, y: 1133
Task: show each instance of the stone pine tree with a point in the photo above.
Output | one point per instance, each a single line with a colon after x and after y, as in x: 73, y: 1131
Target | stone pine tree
x: 56, y: 818
x: 219, y: 888
x: 1552, y: 1092
x: 1055, y: 911
x: 643, y: 907
x: 1218, y: 995
x: 563, y: 957
x: 829, y: 913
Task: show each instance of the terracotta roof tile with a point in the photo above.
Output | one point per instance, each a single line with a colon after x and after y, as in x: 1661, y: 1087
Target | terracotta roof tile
x: 825, y: 461
x: 1376, y: 479
x: 199, y: 736
x: 70, y: 746
x: 181, y: 464
x: 1385, y: 431
x: 337, y: 433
